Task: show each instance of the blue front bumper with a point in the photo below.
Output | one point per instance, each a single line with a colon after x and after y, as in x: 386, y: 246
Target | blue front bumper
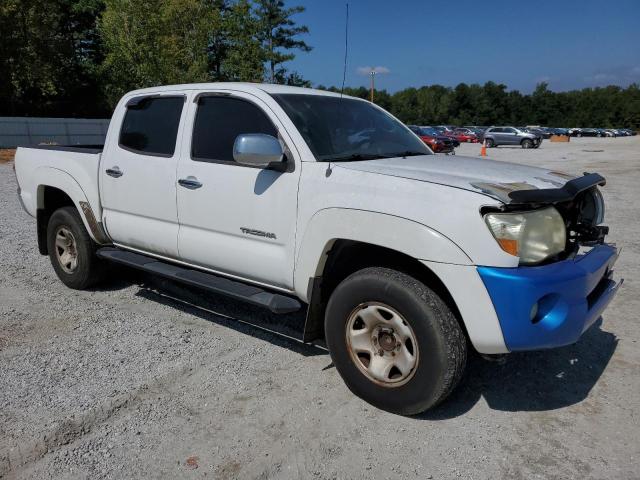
x: 551, y: 305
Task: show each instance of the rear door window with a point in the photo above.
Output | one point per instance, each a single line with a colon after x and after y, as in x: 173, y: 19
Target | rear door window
x: 150, y: 126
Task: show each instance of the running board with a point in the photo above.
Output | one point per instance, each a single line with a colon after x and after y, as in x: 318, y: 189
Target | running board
x: 274, y: 302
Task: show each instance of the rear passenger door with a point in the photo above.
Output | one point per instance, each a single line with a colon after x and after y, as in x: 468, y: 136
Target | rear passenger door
x: 496, y: 134
x: 235, y: 219
x: 138, y: 174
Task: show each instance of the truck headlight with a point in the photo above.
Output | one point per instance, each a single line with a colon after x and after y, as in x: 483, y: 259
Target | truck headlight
x: 533, y: 236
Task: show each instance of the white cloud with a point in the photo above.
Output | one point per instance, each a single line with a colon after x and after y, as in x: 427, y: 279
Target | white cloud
x: 367, y: 70
x: 619, y: 75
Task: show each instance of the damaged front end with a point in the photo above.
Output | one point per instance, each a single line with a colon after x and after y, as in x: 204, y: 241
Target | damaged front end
x: 578, y: 201
x: 552, y: 302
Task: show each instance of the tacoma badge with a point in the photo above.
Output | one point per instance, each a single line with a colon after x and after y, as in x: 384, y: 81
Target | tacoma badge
x: 258, y: 233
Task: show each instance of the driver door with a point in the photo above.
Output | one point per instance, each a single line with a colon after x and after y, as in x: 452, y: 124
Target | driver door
x: 235, y: 219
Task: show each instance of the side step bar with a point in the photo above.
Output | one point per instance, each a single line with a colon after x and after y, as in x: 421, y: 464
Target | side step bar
x: 277, y: 303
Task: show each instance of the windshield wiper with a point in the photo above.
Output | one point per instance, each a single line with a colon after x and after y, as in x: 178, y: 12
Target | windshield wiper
x: 406, y: 153
x: 353, y: 157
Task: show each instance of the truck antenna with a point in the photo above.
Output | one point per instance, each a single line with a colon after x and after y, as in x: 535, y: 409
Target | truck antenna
x: 346, y: 49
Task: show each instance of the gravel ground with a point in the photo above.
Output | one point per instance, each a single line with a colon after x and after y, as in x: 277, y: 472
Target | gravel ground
x: 143, y: 378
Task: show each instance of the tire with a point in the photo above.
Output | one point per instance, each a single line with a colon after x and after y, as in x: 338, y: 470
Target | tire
x: 404, y: 305
x: 578, y: 134
x: 490, y: 143
x: 526, y: 143
x: 72, y: 251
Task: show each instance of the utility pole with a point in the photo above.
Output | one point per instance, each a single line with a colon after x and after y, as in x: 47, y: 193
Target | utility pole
x: 373, y: 74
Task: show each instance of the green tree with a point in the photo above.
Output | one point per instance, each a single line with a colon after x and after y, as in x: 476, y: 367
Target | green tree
x: 278, y: 34
x: 154, y: 42
x: 48, y: 53
x: 244, y: 56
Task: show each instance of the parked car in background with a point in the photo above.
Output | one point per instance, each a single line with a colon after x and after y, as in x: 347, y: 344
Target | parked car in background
x: 560, y: 131
x: 496, y: 136
x: 602, y: 132
x: 434, y: 130
x: 479, y: 131
x: 445, y: 130
x: 585, y: 132
x: 544, y: 133
x: 438, y: 143
x: 465, y: 135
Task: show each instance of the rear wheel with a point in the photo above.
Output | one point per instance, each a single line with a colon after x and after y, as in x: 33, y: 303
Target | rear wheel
x: 526, y: 143
x: 395, y: 343
x: 72, y: 251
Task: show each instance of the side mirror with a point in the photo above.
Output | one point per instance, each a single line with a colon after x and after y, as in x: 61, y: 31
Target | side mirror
x: 258, y: 150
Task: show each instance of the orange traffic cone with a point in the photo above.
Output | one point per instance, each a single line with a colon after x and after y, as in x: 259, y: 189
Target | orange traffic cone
x: 483, y: 150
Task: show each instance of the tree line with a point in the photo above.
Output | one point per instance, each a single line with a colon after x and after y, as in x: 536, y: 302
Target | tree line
x: 493, y: 104
x: 76, y: 58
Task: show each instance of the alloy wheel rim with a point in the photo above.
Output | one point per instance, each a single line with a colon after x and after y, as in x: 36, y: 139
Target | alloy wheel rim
x: 66, y: 250
x: 382, y: 344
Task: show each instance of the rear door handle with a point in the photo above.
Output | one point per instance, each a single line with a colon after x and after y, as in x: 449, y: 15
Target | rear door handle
x: 190, y: 182
x: 114, y: 172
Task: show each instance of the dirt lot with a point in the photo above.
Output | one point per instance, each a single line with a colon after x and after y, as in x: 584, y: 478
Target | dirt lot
x: 141, y: 378
x: 6, y: 155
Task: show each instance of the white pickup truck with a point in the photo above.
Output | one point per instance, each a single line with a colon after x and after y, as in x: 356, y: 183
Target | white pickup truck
x: 294, y: 198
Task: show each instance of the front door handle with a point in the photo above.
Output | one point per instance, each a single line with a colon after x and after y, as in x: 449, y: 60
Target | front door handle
x: 190, y: 182
x: 114, y: 172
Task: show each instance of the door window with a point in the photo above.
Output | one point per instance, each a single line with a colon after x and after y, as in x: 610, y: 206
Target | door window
x: 150, y: 126
x: 219, y: 120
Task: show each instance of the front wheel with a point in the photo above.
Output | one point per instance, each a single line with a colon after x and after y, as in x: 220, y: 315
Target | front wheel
x: 72, y: 251
x: 394, y: 342
x: 489, y: 143
x: 526, y: 143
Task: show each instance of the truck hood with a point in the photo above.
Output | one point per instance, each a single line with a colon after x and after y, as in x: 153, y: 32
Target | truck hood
x: 488, y: 177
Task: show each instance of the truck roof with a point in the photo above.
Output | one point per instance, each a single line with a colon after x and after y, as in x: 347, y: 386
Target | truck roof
x: 242, y: 86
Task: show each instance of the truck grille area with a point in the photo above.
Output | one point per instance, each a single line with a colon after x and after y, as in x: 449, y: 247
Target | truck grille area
x: 582, y: 217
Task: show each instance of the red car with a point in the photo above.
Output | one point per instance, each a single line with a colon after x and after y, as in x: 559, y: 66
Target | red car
x: 465, y: 135
x: 438, y: 143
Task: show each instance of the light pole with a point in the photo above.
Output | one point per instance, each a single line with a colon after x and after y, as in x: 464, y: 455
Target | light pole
x: 373, y: 74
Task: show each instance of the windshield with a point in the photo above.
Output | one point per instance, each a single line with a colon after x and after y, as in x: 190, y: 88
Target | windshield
x: 347, y: 129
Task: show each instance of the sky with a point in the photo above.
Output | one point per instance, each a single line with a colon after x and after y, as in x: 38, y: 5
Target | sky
x: 568, y: 44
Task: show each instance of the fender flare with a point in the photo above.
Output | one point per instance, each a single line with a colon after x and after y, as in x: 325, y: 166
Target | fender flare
x: 56, y: 178
x: 375, y: 228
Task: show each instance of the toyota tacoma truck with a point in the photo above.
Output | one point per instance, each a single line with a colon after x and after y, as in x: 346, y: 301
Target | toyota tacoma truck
x: 292, y: 198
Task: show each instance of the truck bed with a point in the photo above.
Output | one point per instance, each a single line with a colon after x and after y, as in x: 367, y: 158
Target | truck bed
x: 73, y: 167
